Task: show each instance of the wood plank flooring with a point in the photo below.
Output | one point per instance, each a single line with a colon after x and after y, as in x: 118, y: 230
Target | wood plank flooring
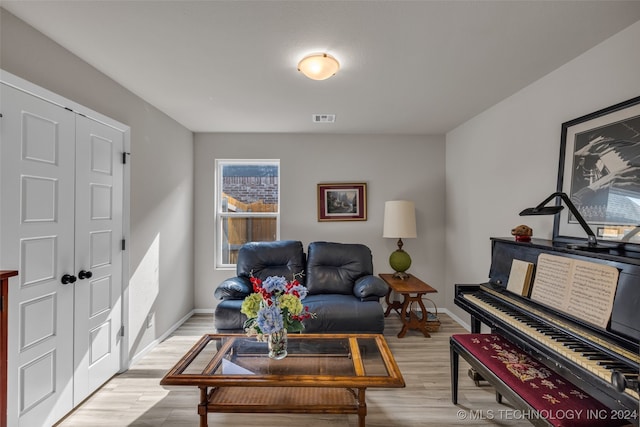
x: 135, y: 397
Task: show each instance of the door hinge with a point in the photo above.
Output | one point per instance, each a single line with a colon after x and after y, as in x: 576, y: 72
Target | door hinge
x: 123, y: 244
x: 124, y: 157
x: 122, y: 330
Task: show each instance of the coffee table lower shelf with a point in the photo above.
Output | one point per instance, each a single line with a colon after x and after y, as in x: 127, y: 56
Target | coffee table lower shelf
x: 300, y: 400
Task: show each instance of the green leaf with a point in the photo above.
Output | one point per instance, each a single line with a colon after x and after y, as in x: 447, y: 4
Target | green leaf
x: 295, y: 326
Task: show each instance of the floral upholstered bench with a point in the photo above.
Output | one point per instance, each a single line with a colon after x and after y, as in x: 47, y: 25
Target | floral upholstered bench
x: 544, y: 397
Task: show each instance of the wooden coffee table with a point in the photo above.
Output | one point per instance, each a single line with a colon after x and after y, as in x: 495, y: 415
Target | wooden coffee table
x: 407, y: 287
x: 323, y: 373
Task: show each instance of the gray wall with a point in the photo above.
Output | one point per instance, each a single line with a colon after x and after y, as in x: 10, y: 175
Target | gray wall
x: 161, y: 246
x: 394, y: 167
x: 506, y: 159
x: 490, y: 168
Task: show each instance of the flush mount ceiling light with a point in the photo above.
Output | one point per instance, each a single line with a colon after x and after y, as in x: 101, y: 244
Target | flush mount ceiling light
x: 318, y: 66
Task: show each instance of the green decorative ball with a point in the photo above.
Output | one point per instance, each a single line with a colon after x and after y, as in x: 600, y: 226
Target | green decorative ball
x: 400, y: 261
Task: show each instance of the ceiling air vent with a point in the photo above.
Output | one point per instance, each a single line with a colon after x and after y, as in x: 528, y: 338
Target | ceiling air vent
x: 323, y: 118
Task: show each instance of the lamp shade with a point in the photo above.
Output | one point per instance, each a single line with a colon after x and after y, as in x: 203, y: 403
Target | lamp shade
x: 319, y: 66
x: 399, y: 219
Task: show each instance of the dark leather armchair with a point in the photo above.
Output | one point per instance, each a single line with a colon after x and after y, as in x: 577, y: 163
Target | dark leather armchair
x: 262, y: 259
x: 343, y: 292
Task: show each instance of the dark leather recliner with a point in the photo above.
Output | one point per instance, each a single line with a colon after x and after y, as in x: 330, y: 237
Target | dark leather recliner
x: 343, y: 292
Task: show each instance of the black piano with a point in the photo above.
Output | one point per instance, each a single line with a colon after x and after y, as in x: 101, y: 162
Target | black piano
x: 602, y: 362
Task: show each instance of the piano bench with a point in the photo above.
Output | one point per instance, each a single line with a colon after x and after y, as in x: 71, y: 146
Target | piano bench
x: 544, y: 397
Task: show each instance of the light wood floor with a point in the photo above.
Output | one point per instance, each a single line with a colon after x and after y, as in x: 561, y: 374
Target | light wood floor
x: 135, y: 397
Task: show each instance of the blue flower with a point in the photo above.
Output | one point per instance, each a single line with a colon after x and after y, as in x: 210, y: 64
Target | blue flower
x: 274, y: 284
x: 270, y: 319
x: 301, y: 290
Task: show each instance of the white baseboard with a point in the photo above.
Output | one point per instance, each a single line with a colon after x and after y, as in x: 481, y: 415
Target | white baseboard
x: 458, y: 320
x: 203, y: 310
x: 161, y: 338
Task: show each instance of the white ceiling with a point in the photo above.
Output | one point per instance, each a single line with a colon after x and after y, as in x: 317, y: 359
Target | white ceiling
x: 412, y: 67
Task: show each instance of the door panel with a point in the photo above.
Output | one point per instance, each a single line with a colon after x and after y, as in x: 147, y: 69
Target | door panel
x: 38, y: 384
x: 100, y: 296
x: 38, y: 260
x: 37, y: 321
x: 40, y: 142
x: 98, y: 234
x: 39, y: 199
x: 38, y: 185
x: 101, y: 201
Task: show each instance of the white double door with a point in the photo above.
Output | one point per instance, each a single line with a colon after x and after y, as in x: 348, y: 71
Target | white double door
x: 61, y: 227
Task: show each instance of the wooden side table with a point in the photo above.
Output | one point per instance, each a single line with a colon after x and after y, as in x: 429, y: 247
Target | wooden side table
x: 4, y: 331
x: 409, y: 318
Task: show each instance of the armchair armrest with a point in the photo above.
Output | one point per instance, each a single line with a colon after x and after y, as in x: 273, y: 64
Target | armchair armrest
x: 234, y: 288
x: 370, y: 288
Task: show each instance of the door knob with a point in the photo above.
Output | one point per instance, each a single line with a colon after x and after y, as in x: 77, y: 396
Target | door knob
x: 84, y: 275
x: 67, y: 278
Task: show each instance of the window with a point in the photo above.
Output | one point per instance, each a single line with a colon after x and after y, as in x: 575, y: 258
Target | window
x: 247, y: 205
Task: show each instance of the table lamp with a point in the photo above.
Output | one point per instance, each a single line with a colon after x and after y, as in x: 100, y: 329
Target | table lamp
x: 399, y: 223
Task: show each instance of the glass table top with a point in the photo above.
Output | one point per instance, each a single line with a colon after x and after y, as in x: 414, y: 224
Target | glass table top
x: 312, y: 360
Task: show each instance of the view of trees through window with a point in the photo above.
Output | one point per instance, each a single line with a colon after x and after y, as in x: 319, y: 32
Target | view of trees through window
x: 248, y: 197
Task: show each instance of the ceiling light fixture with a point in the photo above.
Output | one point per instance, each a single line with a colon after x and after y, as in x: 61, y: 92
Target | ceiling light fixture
x: 318, y: 66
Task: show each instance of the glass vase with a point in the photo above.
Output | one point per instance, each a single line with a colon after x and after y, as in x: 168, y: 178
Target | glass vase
x: 277, y: 344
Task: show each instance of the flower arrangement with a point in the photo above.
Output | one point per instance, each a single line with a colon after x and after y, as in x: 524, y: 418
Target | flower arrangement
x: 274, y: 305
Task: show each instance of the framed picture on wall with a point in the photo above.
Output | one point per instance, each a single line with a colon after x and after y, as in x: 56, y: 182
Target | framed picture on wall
x: 600, y: 171
x: 342, y: 201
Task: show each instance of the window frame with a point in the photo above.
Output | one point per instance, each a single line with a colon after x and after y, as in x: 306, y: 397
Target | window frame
x: 219, y: 215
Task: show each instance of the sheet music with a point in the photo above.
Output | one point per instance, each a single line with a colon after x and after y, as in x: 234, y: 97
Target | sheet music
x: 582, y: 289
x: 552, y: 280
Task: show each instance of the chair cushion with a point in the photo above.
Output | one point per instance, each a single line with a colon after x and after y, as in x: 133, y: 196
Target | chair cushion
x: 333, y: 268
x: 370, y: 288
x: 335, y: 314
x: 343, y: 314
x: 263, y: 259
x: 227, y: 316
x: 234, y: 288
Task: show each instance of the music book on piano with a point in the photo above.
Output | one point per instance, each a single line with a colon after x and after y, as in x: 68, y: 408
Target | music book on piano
x: 520, y: 277
x: 583, y: 289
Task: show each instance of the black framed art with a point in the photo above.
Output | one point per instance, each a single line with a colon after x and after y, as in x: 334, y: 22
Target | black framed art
x: 600, y: 171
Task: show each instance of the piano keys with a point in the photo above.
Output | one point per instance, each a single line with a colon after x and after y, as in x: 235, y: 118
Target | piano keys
x: 603, y: 362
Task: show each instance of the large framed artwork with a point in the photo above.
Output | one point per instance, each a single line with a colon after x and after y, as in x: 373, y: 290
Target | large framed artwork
x: 342, y: 202
x: 600, y: 171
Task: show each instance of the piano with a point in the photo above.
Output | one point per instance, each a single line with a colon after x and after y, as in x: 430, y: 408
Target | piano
x: 602, y: 362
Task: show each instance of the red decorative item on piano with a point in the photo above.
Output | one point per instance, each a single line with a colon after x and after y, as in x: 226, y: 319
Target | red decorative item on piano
x: 522, y: 233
